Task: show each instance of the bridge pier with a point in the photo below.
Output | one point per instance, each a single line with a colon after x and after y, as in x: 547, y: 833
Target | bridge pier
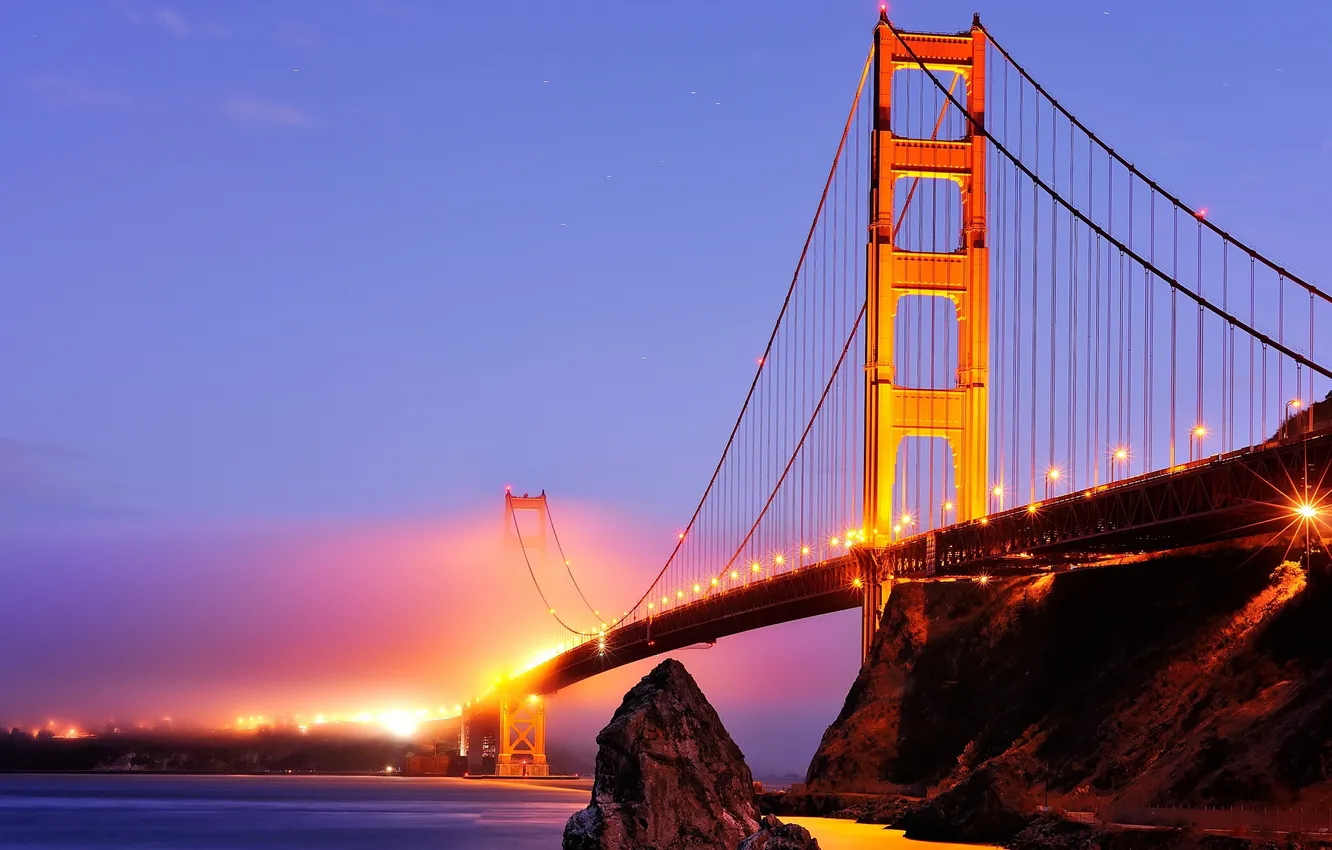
x: 877, y: 588
x: 477, y: 739
x: 522, y: 727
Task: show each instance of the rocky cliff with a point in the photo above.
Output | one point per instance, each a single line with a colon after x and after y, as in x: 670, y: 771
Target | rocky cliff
x: 1189, y: 681
x: 668, y: 776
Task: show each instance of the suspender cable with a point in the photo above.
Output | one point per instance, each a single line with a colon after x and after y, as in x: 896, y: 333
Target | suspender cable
x: 1314, y: 290
x: 1195, y: 296
x: 795, y: 277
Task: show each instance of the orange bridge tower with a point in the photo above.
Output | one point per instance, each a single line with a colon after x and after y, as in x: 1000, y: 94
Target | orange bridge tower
x: 894, y: 412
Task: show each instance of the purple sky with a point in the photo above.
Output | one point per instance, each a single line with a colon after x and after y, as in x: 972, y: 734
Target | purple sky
x: 289, y: 291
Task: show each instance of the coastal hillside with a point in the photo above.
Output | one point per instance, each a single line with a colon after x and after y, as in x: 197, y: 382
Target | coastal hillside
x: 1201, y: 681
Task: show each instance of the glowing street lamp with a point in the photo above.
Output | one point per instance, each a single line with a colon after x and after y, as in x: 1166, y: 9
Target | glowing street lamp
x: 1119, y: 457
x: 1051, y: 477
x: 997, y: 497
x: 1293, y: 405
x: 1199, y: 431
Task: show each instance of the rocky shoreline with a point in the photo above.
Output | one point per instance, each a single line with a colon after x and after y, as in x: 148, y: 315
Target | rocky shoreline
x: 1020, y: 709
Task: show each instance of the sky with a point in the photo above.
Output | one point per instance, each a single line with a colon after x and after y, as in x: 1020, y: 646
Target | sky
x: 290, y: 291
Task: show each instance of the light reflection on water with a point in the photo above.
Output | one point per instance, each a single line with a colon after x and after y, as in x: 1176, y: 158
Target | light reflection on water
x: 118, y: 812
x: 224, y: 812
x: 849, y: 835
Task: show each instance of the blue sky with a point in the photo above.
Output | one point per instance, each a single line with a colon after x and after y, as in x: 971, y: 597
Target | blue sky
x: 269, y: 264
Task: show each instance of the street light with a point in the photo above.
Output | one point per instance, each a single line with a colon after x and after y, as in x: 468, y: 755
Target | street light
x: 1293, y: 404
x: 1120, y: 456
x: 1199, y: 431
x: 997, y: 497
x: 1051, y: 477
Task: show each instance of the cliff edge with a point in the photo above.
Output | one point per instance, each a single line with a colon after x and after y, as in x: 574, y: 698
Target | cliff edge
x: 1202, y: 681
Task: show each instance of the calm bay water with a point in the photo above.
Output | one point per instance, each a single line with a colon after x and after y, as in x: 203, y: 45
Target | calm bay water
x: 73, y: 812
x: 235, y: 812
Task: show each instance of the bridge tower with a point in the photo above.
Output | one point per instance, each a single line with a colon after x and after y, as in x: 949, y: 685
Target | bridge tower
x: 515, y: 507
x: 522, y: 750
x: 894, y: 412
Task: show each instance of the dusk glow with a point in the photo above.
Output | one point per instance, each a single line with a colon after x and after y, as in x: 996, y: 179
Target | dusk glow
x: 396, y: 391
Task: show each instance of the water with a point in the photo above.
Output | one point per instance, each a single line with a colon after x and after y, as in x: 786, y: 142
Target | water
x: 72, y: 812
x: 232, y: 812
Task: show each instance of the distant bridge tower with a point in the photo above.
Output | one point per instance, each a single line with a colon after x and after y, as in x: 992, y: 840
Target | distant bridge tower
x: 522, y: 719
x: 515, y: 507
x: 893, y: 411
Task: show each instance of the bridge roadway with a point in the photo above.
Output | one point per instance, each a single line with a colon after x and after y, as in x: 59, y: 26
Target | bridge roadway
x: 1241, y: 494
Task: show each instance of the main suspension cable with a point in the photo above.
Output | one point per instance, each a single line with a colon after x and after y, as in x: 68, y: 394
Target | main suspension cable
x: 1197, y: 297
x: 1206, y: 222
x: 767, y: 351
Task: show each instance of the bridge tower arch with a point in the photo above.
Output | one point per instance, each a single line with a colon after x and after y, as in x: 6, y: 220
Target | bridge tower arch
x: 894, y: 412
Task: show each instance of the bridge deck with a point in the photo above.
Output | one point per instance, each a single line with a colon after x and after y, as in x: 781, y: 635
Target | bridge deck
x: 1224, y: 497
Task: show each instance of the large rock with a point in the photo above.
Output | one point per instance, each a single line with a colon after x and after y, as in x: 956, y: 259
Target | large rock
x: 1195, y: 680
x: 989, y: 806
x: 668, y: 775
x: 776, y: 835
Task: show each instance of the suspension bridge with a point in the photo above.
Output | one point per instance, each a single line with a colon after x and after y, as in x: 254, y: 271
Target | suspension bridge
x: 1004, y: 349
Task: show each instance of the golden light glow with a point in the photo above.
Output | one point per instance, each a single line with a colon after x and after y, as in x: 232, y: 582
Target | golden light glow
x: 1200, y: 431
x: 664, y: 600
x: 1053, y: 474
x: 679, y: 594
x: 755, y: 567
x: 779, y: 559
x: 983, y: 579
x: 1307, y: 511
x: 907, y: 519
x: 948, y: 506
x: 649, y: 606
x: 1121, y: 453
x: 997, y: 491
x: 1031, y: 509
x: 832, y: 541
x: 804, y: 550
x: 1295, y: 403
x: 697, y: 588
x: 856, y: 582
x: 735, y: 574
x: 398, y: 723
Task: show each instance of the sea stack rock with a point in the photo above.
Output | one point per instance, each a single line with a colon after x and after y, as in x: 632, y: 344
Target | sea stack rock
x: 668, y: 775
